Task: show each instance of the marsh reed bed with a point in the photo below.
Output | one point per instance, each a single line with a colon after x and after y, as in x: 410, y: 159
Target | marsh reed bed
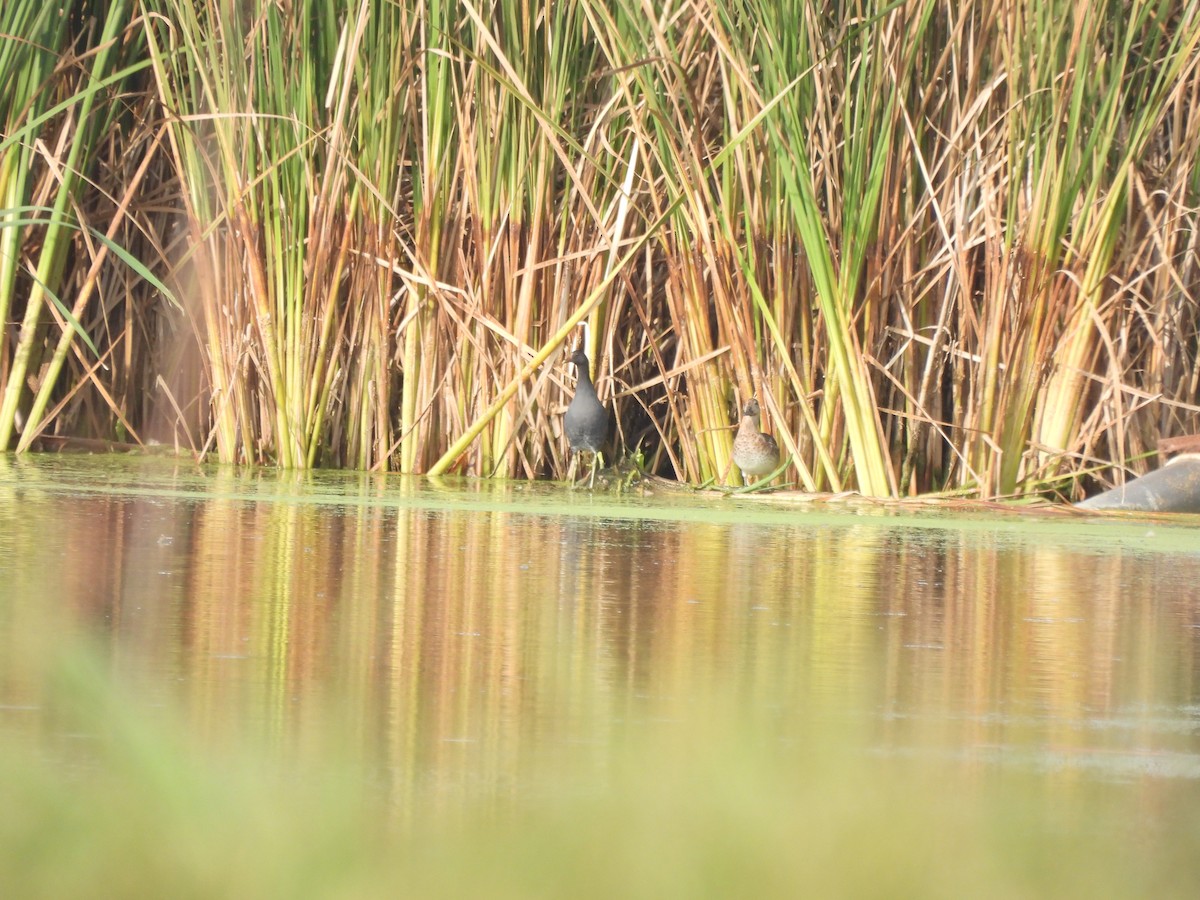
x: 951, y: 247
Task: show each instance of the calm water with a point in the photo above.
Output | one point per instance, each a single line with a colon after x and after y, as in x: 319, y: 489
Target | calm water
x: 457, y: 637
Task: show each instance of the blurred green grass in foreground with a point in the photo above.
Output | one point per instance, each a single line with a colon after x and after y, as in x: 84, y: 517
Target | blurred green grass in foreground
x: 105, y: 798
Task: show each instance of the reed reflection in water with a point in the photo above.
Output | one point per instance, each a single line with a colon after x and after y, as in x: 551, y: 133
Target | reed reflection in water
x: 468, y: 642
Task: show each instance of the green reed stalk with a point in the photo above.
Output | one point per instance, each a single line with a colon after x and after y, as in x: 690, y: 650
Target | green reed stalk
x: 49, y: 267
x: 264, y: 162
x: 867, y: 120
x: 176, y: 41
x: 25, y: 67
x: 1130, y: 106
x: 431, y: 202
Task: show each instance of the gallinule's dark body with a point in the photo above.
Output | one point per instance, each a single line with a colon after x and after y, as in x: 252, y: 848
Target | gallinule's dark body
x: 586, y: 421
x: 754, y: 452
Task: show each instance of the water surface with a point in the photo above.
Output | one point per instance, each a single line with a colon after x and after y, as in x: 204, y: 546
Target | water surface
x: 460, y: 639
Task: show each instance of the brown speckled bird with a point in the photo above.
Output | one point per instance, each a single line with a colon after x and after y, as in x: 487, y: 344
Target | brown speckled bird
x: 754, y: 452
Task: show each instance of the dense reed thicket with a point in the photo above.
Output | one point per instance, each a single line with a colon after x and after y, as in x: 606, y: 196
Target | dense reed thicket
x: 950, y: 246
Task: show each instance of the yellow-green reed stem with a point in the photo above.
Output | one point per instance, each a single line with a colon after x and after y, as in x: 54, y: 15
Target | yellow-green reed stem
x: 54, y: 248
x: 1103, y: 220
x: 431, y: 202
x: 31, y: 34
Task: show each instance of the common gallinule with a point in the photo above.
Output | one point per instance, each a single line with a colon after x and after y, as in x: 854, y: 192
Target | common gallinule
x: 586, y: 421
x: 754, y: 452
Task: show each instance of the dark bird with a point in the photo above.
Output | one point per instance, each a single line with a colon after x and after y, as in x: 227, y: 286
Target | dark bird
x: 754, y: 452
x: 586, y: 421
